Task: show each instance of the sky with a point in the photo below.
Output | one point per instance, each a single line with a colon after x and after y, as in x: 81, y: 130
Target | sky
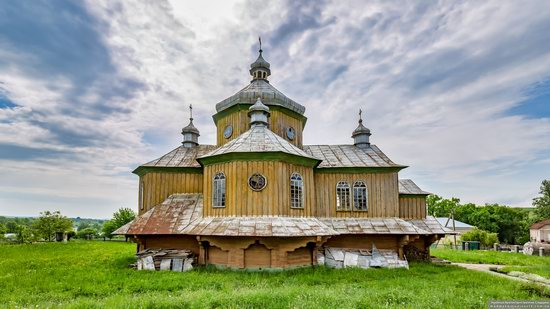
x: 459, y: 91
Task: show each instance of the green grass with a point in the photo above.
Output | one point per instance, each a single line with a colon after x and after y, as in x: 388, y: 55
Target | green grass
x: 541, y: 270
x: 96, y: 274
x: 490, y: 257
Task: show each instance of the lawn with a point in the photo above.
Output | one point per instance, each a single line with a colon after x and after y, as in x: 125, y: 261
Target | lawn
x: 491, y: 257
x: 96, y: 274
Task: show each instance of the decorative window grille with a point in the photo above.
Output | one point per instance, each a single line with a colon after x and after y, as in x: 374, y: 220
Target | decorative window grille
x: 296, y: 191
x: 218, y: 192
x: 343, y: 201
x: 360, y: 196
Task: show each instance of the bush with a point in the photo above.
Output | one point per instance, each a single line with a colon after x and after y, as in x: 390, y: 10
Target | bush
x: 87, y: 233
x: 486, y: 239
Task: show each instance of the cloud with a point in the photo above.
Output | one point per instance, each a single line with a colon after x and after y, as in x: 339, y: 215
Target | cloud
x: 90, y: 90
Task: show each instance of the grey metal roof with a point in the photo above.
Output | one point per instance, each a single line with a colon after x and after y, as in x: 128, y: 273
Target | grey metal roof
x: 263, y: 89
x: 349, y: 156
x: 259, y: 139
x: 407, y: 186
x: 431, y: 225
x: 449, y: 224
x: 373, y: 226
x: 259, y: 226
x: 181, y: 157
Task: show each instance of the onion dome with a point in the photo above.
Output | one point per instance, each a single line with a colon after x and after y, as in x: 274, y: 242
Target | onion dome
x: 258, y: 113
x: 190, y: 132
x: 259, y: 69
x: 361, y: 134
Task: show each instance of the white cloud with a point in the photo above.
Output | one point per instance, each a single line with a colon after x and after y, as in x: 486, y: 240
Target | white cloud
x: 435, y: 81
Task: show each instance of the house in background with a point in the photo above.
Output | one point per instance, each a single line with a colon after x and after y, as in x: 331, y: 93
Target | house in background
x: 260, y: 198
x: 540, y: 231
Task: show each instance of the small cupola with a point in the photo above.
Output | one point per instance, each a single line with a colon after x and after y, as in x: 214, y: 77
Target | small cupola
x: 258, y: 114
x: 361, y: 135
x: 259, y: 69
x: 190, y: 133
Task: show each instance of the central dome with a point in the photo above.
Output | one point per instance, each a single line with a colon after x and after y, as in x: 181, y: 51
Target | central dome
x: 260, y: 88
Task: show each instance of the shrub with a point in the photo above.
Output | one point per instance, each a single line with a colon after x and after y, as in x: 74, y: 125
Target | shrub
x: 486, y: 239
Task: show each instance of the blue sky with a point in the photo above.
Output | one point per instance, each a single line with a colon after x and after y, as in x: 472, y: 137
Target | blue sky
x: 459, y: 91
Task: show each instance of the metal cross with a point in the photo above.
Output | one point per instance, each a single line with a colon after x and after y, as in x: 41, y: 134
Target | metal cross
x: 360, y: 112
x: 260, y: 39
x: 191, y: 110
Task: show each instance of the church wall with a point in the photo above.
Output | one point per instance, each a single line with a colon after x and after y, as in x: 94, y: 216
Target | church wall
x: 412, y: 207
x: 158, y: 186
x: 382, y: 194
x: 274, y: 199
x: 278, y: 123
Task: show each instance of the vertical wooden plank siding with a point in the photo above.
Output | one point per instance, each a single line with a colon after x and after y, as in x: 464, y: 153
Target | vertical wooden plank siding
x: 382, y: 194
x: 158, y: 186
x: 412, y: 207
x: 274, y: 199
x: 278, y: 123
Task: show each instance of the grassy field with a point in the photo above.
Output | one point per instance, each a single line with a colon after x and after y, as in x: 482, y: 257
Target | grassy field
x: 491, y: 257
x: 96, y: 274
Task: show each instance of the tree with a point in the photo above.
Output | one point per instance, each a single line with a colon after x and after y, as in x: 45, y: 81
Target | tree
x: 123, y: 216
x: 486, y: 239
x: 542, y: 203
x: 440, y: 207
x: 87, y: 233
x: 49, y: 223
x: 108, y: 228
x: 3, y: 230
x: 24, y: 234
x: 120, y: 218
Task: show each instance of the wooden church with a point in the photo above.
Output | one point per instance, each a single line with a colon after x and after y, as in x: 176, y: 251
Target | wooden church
x: 260, y: 198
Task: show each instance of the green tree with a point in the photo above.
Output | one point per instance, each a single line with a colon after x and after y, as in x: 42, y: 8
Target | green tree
x: 542, y: 202
x: 12, y: 226
x: 87, y: 233
x: 3, y: 230
x: 123, y: 216
x: 440, y: 207
x: 108, y: 228
x: 120, y: 218
x: 49, y: 223
x: 486, y: 239
x: 24, y: 235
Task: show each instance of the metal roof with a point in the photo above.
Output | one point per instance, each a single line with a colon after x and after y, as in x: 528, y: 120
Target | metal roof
x: 170, y: 217
x: 182, y: 214
x: 181, y: 157
x: 407, y: 186
x: 264, y: 90
x: 349, y: 156
x: 449, y: 224
x: 432, y: 225
x: 259, y: 139
x: 259, y: 226
x: 373, y: 226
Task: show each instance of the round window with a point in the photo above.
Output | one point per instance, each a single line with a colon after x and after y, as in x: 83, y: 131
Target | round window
x: 290, y: 133
x: 228, y: 131
x: 257, y: 182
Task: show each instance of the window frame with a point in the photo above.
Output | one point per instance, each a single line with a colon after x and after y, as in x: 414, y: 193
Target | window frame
x: 357, y: 186
x: 219, y: 187
x: 296, y: 187
x: 342, y: 196
x: 141, y: 195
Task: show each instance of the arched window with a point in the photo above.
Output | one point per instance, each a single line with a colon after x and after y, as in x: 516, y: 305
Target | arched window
x: 343, y: 196
x: 360, y: 196
x: 218, y: 192
x: 296, y: 191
